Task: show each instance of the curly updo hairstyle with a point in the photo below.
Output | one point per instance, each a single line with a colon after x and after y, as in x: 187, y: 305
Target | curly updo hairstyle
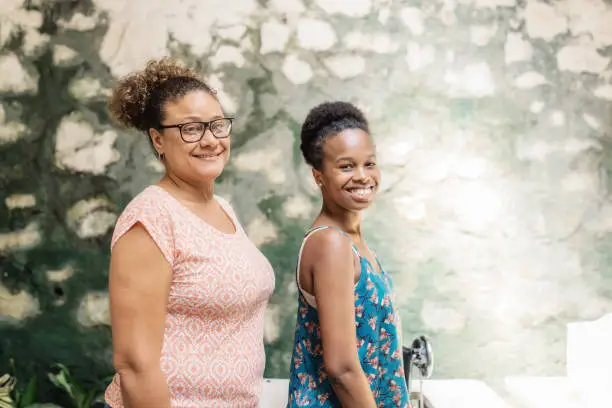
x: 324, y: 120
x: 139, y: 99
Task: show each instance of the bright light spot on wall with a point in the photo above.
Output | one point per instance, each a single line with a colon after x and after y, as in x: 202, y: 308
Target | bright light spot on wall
x: 474, y: 80
x: 477, y: 206
x: 470, y: 167
x: 411, y: 209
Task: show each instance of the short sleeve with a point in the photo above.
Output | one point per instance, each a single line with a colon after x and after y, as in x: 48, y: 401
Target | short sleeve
x: 155, y: 219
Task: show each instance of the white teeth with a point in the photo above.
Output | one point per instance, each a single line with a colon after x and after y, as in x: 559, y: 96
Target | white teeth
x: 362, y: 191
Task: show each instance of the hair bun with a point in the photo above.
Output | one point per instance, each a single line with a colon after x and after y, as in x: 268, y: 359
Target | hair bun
x: 327, y: 113
x: 130, y: 97
x: 323, y: 120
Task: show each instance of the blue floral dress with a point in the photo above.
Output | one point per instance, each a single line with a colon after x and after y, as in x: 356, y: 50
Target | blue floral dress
x: 378, y: 343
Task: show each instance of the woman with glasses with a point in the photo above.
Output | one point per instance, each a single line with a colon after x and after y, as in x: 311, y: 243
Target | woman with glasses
x: 187, y: 287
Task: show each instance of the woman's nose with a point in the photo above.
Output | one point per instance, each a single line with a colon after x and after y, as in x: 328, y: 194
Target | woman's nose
x: 360, y: 174
x: 208, y: 139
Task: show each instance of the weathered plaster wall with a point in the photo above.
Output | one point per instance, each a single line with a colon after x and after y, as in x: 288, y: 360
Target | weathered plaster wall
x: 493, y: 120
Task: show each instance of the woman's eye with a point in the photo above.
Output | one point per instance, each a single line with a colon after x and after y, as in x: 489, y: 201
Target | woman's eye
x: 192, y: 129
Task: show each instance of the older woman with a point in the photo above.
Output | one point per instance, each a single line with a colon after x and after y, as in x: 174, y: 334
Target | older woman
x: 188, y: 289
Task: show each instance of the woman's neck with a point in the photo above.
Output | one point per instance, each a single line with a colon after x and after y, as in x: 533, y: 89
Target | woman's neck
x: 188, y: 191
x: 348, y: 221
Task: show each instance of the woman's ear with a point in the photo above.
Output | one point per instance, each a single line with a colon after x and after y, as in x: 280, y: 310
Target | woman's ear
x: 157, y: 141
x: 316, y: 174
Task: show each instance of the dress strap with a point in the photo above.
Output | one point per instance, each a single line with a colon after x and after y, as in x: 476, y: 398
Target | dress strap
x: 323, y: 227
x: 310, y: 299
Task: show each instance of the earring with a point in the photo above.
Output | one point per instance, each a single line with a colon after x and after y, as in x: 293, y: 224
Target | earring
x: 160, y: 156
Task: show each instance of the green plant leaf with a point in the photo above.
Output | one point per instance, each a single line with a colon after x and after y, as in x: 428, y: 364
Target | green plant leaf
x: 91, y: 396
x: 7, y: 384
x: 6, y: 401
x: 6, y: 404
x: 80, y: 397
x: 63, y: 380
x: 28, y: 397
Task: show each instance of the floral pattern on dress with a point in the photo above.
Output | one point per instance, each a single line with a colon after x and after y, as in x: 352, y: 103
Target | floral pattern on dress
x: 378, y: 343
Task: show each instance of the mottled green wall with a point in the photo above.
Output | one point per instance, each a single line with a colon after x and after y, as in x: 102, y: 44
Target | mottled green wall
x: 493, y: 121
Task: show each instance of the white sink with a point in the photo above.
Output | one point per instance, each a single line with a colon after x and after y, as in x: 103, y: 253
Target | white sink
x: 274, y: 393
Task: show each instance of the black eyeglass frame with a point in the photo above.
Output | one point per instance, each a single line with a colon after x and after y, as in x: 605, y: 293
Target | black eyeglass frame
x: 206, y: 127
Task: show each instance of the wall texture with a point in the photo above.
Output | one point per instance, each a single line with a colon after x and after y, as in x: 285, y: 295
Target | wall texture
x: 493, y: 120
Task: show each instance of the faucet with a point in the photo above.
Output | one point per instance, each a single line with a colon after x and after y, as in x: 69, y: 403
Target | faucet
x: 419, y: 356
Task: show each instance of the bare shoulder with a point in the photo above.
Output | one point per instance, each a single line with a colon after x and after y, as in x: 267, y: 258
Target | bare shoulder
x: 328, y: 247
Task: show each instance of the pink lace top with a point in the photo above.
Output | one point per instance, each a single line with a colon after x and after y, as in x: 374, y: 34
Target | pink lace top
x: 213, y: 352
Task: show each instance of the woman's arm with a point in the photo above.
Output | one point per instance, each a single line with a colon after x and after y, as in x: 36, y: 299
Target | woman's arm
x: 333, y: 273
x: 139, y: 283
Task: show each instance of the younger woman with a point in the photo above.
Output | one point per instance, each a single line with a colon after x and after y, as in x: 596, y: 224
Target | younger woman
x: 347, y: 347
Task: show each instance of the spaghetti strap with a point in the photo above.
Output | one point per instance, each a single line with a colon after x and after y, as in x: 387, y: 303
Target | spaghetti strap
x: 340, y: 230
x: 310, y: 299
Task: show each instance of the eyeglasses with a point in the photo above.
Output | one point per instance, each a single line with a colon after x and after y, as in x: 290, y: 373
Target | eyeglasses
x: 193, y: 132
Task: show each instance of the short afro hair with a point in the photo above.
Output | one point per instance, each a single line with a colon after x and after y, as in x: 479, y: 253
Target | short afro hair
x: 324, y: 120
